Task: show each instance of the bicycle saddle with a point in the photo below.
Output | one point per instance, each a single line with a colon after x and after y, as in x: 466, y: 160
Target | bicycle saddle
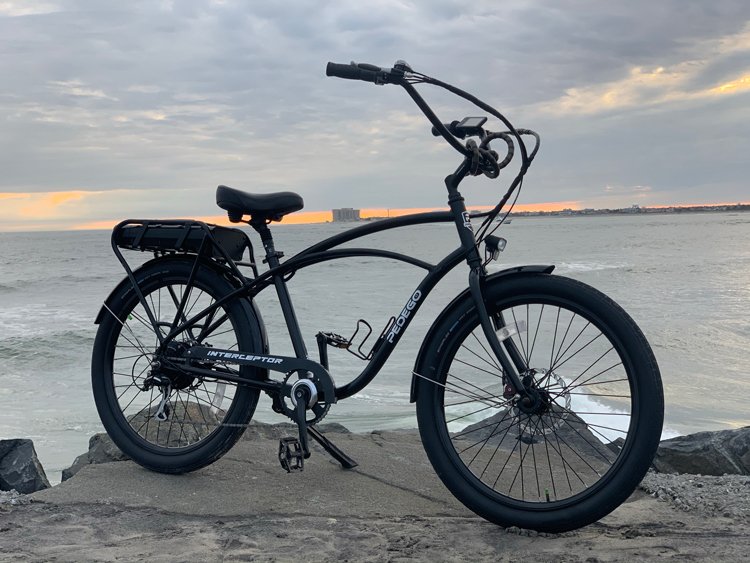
x: 261, y: 207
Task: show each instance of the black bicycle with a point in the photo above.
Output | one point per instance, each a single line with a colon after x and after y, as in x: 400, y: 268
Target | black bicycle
x: 539, y: 401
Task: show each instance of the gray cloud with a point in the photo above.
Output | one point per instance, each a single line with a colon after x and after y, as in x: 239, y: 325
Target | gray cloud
x: 172, y: 98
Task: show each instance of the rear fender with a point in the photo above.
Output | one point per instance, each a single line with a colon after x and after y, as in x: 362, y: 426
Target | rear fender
x: 421, y: 365
x: 254, y: 312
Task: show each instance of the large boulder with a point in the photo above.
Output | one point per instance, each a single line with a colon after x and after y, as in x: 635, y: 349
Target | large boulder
x: 706, y: 453
x: 20, y: 468
x: 101, y: 450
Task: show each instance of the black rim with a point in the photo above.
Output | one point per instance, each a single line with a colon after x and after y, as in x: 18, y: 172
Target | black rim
x: 570, y: 439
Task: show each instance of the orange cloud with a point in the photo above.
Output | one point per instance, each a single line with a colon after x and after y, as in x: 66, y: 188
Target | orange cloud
x: 48, y: 205
x: 738, y: 85
x: 106, y: 225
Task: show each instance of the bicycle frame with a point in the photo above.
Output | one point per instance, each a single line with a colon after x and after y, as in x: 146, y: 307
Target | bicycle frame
x: 323, y: 251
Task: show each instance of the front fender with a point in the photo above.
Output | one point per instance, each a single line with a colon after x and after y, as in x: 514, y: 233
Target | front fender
x: 457, y: 302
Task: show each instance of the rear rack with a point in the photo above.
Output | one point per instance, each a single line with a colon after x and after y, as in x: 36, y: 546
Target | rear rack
x: 168, y: 236
x: 187, y: 236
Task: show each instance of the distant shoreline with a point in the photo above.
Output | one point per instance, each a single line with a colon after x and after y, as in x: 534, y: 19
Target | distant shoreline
x: 626, y: 211
x: 635, y: 210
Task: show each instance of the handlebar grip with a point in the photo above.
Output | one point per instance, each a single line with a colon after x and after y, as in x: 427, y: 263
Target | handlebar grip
x: 350, y: 71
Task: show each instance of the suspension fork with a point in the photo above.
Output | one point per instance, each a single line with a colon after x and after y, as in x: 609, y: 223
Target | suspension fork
x: 508, y: 356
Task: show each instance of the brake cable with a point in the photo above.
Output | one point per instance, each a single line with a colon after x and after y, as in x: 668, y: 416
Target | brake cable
x: 410, y: 77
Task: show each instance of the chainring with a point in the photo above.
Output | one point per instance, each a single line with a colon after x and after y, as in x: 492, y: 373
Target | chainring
x: 320, y: 409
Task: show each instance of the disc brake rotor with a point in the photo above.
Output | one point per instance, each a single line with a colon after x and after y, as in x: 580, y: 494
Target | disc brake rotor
x: 553, y: 410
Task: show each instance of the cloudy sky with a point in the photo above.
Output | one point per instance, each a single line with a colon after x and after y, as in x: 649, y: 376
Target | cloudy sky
x: 140, y: 108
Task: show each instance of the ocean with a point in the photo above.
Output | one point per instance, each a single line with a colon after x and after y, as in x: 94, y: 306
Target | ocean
x: 684, y: 278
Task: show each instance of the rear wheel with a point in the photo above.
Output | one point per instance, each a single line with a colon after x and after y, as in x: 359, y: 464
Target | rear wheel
x: 580, y: 443
x: 160, y: 416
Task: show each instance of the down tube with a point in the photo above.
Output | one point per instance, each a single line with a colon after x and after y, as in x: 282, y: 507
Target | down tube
x: 403, y: 320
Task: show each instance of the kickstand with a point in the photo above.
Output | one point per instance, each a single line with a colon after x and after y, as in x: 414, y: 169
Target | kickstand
x: 345, y: 461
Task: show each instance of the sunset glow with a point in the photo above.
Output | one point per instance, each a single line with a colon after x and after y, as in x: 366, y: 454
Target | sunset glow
x: 78, y: 210
x: 307, y: 217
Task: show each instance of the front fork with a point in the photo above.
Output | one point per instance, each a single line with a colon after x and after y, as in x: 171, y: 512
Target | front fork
x: 506, y: 352
x: 510, y: 360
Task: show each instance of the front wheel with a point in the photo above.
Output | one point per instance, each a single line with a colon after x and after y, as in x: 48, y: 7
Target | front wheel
x: 579, y: 444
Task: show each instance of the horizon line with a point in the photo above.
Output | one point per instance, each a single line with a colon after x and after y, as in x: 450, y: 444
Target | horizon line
x: 322, y: 217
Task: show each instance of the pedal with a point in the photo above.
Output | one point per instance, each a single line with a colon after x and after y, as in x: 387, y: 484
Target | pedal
x: 291, y: 455
x: 333, y: 339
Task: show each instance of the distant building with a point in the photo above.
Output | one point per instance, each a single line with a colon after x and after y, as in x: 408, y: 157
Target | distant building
x: 345, y: 214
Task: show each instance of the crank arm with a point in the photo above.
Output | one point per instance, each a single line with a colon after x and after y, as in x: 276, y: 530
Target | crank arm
x: 300, y: 411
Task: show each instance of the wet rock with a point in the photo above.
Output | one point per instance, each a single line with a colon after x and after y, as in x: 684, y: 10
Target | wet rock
x: 20, y: 468
x: 706, y: 453
x: 101, y: 450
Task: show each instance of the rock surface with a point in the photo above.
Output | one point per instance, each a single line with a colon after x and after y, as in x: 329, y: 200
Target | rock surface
x: 706, y: 453
x: 390, y: 508
x: 20, y: 469
x: 101, y: 450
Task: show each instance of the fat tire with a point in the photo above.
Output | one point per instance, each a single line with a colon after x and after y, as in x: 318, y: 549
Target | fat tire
x: 152, y: 275
x: 646, y: 416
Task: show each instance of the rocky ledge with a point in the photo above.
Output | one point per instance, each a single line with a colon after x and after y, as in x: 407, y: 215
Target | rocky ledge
x: 724, y: 452
x: 390, y: 508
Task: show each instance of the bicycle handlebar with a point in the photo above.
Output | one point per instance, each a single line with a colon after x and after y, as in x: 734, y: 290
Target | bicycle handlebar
x: 362, y: 71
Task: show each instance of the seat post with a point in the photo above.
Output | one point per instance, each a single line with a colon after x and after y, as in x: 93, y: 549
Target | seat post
x: 285, y: 300
x: 272, y: 256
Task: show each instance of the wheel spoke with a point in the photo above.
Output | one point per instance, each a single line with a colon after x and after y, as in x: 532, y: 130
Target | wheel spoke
x: 536, y: 332
x: 478, y: 368
x: 466, y: 415
x: 491, y: 364
x: 490, y: 356
x: 457, y: 390
x: 555, y: 365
